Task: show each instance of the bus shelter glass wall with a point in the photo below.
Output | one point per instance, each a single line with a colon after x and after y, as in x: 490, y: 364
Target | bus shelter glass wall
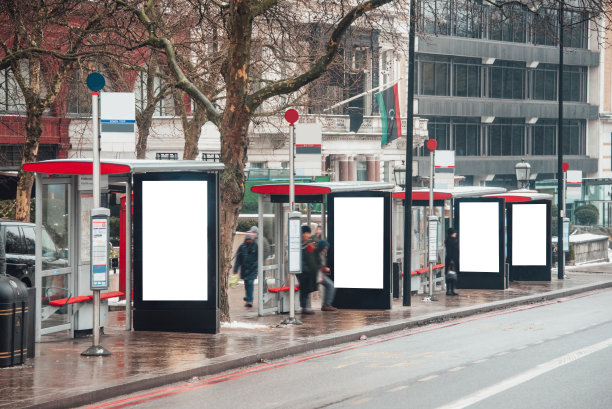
x: 420, y: 235
x: 55, y: 251
x: 271, y: 265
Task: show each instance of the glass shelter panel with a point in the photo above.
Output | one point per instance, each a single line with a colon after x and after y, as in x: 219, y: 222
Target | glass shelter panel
x: 56, y: 272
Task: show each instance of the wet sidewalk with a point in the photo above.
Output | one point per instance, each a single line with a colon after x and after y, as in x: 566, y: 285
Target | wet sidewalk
x: 59, y: 377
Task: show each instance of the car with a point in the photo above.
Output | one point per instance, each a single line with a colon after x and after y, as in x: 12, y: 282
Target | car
x: 19, y: 240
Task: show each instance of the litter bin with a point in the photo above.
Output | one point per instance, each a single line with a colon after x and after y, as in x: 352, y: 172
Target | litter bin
x: 13, y: 330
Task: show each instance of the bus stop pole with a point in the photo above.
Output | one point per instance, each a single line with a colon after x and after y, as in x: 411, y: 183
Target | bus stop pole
x: 432, y: 222
x: 96, y: 349
x: 95, y: 99
x: 291, y: 116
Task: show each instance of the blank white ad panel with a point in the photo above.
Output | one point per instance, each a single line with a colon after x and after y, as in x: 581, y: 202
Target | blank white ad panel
x: 174, y: 240
x: 479, y: 236
x: 359, y: 242
x: 529, y: 234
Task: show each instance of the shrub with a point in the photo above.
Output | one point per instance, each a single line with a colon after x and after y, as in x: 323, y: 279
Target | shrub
x: 245, y: 224
x: 587, y: 215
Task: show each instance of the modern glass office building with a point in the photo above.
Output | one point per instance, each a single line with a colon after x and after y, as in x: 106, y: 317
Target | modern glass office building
x: 486, y: 81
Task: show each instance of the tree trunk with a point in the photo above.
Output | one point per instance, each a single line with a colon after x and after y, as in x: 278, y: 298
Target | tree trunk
x: 193, y: 132
x: 234, y: 130
x: 144, y: 128
x: 25, y: 180
x: 233, y: 154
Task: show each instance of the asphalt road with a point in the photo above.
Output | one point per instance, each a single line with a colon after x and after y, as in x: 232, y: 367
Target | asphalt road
x: 556, y: 354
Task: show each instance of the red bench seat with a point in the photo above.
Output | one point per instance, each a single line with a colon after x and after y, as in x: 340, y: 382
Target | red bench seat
x: 281, y: 289
x: 81, y: 298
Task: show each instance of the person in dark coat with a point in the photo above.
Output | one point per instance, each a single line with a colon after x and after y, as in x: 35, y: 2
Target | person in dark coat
x: 326, y: 281
x: 451, y: 243
x: 310, y: 270
x: 246, y: 260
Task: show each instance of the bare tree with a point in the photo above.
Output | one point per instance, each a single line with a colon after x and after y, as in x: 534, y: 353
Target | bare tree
x: 41, y: 42
x: 255, y: 37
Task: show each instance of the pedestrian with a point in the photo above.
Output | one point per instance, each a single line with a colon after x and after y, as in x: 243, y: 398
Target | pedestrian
x: 246, y: 260
x: 451, y: 243
x: 326, y: 281
x: 254, y: 231
x: 451, y: 279
x: 310, y: 268
x: 318, y: 236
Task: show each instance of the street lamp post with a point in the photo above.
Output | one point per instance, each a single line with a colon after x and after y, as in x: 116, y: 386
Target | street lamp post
x: 408, y: 169
x: 560, y: 212
x: 523, y: 172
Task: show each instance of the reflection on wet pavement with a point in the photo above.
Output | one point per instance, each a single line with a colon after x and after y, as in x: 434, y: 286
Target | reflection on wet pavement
x: 58, y: 370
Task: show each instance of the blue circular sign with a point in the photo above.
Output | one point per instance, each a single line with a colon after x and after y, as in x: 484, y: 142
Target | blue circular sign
x: 95, y: 81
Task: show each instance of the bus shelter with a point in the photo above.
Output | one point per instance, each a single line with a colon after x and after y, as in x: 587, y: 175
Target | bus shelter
x: 355, y: 219
x: 528, y: 234
x: 171, y: 216
x: 443, y: 205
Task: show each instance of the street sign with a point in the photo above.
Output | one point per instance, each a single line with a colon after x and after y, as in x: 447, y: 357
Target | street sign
x: 118, y: 122
x: 95, y: 81
x: 295, y: 243
x: 433, y: 239
x: 292, y: 116
x: 99, y: 248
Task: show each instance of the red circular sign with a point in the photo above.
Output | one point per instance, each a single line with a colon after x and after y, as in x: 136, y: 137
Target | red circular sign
x: 565, y: 166
x: 291, y: 116
x: 432, y: 144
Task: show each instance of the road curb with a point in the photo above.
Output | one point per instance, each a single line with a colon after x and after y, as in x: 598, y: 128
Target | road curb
x: 324, y: 341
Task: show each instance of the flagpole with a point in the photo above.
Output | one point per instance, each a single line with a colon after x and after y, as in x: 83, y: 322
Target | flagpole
x: 346, y: 101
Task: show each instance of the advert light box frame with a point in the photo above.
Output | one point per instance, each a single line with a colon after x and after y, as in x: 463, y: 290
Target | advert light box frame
x: 176, y: 271
x: 480, y: 224
x: 529, y: 240
x: 360, y: 248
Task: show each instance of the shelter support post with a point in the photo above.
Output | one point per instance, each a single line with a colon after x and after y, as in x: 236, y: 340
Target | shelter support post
x: 260, y: 254
x: 38, y: 256
x: 128, y: 255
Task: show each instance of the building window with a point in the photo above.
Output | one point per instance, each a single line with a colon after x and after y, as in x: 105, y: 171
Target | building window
x: 545, y: 27
x: 544, y: 137
x: 362, y: 170
x: 507, y: 80
x: 544, y: 82
x: 466, y: 77
x: 574, y: 137
x: 78, y: 100
x: 506, y: 137
x: 575, y: 27
x: 11, y: 97
x: 439, y: 129
x: 508, y: 23
x: 466, y: 138
x: 435, y: 16
x: 574, y: 83
x: 434, y: 74
x: 160, y: 94
x: 467, y: 19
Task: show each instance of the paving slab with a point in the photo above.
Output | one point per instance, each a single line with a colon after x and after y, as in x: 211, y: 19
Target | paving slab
x: 59, y: 377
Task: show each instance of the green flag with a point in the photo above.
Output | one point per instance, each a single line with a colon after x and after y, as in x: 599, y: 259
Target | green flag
x: 388, y: 102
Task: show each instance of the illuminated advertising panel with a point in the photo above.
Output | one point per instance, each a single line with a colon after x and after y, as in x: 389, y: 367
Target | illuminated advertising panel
x: 529, y: 235
x: 479, y: 236
x: 359, y: 242
x: 174, y: 240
